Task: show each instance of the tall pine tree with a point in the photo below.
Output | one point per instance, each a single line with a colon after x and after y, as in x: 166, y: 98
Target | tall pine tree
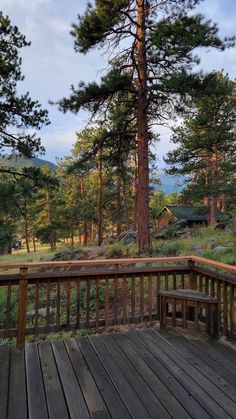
x: 18, y: 113
x: 153, y: 47
x: 206, y: 141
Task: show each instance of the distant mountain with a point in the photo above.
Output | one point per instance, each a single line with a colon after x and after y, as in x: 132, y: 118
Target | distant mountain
x: 170, y: 183
x: 16, y: 162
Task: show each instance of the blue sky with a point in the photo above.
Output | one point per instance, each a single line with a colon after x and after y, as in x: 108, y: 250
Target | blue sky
x: 50, y: 64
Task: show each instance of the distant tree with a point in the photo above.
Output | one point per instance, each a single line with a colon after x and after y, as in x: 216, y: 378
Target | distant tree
x: 152, y: 45
x: 18, y: 113
x: 207, y: 142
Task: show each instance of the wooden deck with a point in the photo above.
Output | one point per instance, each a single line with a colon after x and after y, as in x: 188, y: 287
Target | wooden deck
x: 139, y: 374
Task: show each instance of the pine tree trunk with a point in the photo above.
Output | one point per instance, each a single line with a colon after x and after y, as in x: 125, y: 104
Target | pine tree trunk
x: 213, y: 211
x: 51, y: 235
x: 100, y: 202
x: 72, y: 237
x: 143, y: 136
x: 134, y: 192
x: 85, y: 234
x: 118, y: 206
x: 213, y: 201
x: 223, y: 203
x: 126, y: 209
x: 27, y: 235
x: 34, y: 244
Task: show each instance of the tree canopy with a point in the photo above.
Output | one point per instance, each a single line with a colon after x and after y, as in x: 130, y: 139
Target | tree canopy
x: 18, y: 113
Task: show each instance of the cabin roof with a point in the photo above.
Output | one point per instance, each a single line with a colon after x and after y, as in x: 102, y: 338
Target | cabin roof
x: 188, y: 212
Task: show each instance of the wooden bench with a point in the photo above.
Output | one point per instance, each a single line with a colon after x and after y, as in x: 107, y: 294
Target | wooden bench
x: 193, y: 304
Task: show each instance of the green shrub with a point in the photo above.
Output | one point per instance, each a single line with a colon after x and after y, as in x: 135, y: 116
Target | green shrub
x: 115, y: 250
x: 171, y: 248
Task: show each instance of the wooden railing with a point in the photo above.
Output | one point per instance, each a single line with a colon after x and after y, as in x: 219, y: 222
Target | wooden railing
x: 45, y: 297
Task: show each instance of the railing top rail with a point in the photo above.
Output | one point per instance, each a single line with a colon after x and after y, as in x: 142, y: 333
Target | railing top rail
x: 93, y: 262
x: 109, y: 262
x: 213, y: 263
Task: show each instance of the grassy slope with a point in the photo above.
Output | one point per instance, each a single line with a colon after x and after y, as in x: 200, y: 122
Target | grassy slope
x: 181, y: 246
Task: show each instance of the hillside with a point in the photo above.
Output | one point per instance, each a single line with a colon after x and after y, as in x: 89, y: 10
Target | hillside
x: 16, y: 162
x: 170, y: 183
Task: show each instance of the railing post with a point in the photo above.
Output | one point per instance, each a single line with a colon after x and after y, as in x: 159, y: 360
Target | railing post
x: 192, y: 275
x: 22, y: 307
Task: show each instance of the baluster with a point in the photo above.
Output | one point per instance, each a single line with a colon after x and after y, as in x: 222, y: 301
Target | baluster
x: 22, y: 306
x: 219, y: 305
x: 68, y: 294
x: 166, y: 281
x: 8, y: 316
x: 200, y: 283
x: 158, y: 296
x: 174, y: 280
x: 225, y: 311
x: 58, y: 304
x: 97, y: 303
x: 212, y: 287
x: 133, y: 298
x: 141, y: 298
x: 78, y: 305
x: 150, y: 297
x: 87, y: 303
x: 36, y: 317
x: 231, y: 310
x: 106, y: 302
x: 48, y: 305
x: 115, y: 299
x: 124, y: 297
x: 206, y: 285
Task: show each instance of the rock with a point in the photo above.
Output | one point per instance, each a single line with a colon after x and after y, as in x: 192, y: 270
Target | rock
x: 220, y: 226
x: 220, y: 250
x: 196, y: 246
x: 180, y: 224
x: 70, y: 255
x: 211, y: 244
x: 231, y: 226
x: 42, y: 312
x: 128, y: 237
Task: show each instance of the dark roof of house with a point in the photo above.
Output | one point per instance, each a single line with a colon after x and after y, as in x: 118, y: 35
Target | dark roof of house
x: 189, y: 213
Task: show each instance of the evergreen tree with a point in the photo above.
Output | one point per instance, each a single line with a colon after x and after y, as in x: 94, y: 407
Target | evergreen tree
x: 153, y: 44
x: 207, y: 142
x: 18, y: 113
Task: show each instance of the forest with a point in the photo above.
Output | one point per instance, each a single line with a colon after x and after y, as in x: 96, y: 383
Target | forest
x: 108, y: 186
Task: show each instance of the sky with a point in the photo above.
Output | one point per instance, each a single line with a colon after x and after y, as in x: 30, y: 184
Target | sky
x: 51, y: 66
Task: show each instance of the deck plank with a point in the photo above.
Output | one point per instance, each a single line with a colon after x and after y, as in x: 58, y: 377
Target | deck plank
x: 225, y: 404
x: 73, y: 394
x: 111, y: 397
x: 145, y: 393
x: 184, y: 396
x: 137, y: 374
x: 188, y: 382
x: 181, y: 345
x: 206, y: 356
x: 126, y: 391
x: 54, y: 394
x: 4, y: 379
x: 37, y: 406
x: 17, y: 386
x: 94, y: 400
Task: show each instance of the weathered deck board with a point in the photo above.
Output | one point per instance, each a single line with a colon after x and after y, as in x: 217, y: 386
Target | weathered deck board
x: 139, y: 374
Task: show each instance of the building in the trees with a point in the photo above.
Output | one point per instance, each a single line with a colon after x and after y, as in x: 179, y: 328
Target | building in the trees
x: 192, y: 214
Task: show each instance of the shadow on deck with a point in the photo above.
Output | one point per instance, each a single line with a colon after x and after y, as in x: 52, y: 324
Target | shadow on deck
x: 139, y: 374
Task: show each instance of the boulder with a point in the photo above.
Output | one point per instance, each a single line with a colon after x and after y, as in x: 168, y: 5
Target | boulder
x: 69, y: 255
x: 211, y: 244
x: 128, y: 237
x: 221, y: 250
x: 180, y: 224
